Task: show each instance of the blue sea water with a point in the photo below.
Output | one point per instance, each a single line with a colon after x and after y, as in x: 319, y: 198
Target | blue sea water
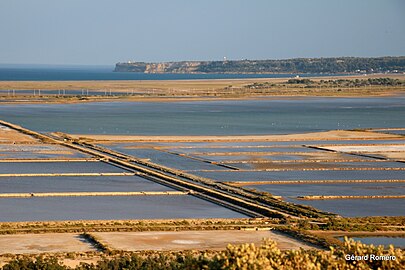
x: 97, y: 73
x: 226, y: 117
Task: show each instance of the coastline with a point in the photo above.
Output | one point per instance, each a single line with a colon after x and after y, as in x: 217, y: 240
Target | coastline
x: 326, y: 135
x: 19, y: 92
x: 177, y: 99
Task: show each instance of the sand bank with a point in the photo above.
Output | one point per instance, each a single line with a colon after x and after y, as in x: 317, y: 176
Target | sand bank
x: 328, y: 135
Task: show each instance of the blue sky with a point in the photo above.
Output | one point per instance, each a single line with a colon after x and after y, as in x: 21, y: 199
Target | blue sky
x: 102, y: 32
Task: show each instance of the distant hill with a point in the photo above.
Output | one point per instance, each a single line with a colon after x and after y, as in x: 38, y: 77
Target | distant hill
x: 297, y: 65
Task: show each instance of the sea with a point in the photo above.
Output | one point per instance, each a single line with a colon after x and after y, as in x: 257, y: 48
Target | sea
x: 215, y: 117
x: 224, y: 117
x: 98, y: 73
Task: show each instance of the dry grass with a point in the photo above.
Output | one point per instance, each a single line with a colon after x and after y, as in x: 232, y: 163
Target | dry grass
x: 226, y: 88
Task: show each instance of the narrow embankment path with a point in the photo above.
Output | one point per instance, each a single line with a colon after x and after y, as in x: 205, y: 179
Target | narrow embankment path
x: 84, y: 194
x: 343, y: 197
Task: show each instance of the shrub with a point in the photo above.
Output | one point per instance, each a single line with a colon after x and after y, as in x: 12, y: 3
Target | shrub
x: 247, y: 256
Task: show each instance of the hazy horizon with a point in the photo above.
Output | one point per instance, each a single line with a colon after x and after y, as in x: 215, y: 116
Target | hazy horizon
x: 102, y: 32
x: 112, y: 65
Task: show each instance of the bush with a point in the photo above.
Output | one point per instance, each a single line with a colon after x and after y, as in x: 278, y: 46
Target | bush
x: 39, y: 263
x: 248, y: 256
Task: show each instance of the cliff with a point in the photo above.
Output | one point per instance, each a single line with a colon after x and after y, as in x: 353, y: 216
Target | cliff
x: 298, y: 65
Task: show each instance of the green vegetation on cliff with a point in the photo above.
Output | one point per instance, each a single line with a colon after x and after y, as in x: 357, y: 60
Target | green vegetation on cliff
x: 297, y: 65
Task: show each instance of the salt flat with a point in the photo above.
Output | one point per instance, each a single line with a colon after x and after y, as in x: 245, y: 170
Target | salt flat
x: 43, y: 243
x: 192, y: 240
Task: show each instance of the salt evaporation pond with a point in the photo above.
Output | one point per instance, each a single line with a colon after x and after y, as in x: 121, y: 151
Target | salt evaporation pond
x: 349, y: 189
x: 58, y: 167
x: 252, y: 176
x: 166, y: 159
x: 243, y: 149
x: 358, y: 207
x: 78, y: 184
x: 308, y: 165
x: 111, y: 207
x: 398, y: 242
x: 282, y: 156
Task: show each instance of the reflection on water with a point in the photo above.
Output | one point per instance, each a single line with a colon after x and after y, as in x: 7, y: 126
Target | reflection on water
x: 235, y: 176
x: 116, y: 207
x: 210, y: 117
x: 97, y: 73
x: 398, y: 242
x: 58, y: 167
x: 78, y: 184
x: 359, y: 207
x: 166, y: 159
x: 343, y: 189
x: 196, y: 118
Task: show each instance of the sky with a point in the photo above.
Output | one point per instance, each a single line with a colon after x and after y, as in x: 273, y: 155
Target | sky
x: 103, y: 32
